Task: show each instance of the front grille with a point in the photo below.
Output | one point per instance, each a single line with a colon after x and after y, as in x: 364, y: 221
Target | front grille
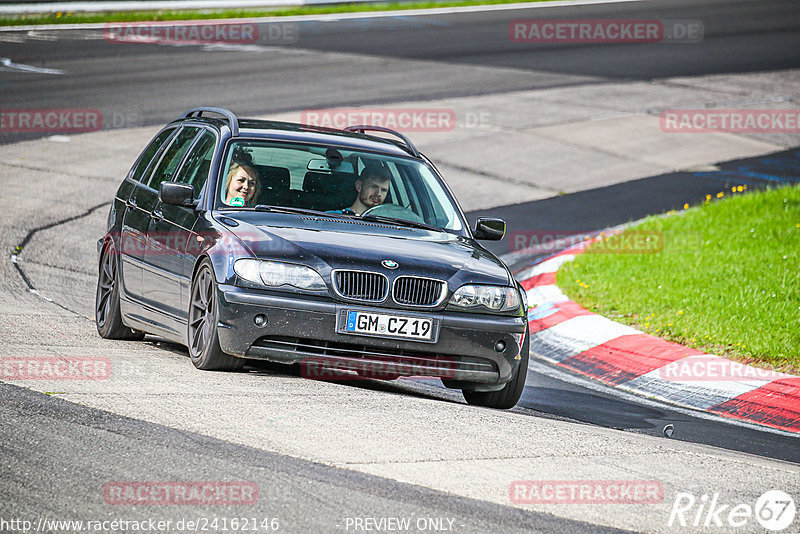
x: 361, y: 285
x: 414, y: 291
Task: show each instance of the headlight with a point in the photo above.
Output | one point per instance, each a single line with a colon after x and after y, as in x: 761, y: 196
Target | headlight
x: 494, y: 298
x: 275, y: 274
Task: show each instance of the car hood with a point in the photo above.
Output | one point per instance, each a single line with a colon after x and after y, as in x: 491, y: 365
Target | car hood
x: 327, y: 244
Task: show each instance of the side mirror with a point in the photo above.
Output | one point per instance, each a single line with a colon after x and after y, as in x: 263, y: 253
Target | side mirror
x: 176, y: 194
x: 489, y: 229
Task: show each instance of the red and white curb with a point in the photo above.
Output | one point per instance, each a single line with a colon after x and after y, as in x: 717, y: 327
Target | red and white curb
x: 570, y: 336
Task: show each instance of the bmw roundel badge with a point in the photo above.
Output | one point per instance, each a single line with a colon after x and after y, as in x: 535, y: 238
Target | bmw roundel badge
x: 389, y: 264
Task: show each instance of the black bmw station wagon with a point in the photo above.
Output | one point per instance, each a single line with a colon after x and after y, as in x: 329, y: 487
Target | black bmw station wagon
x: 345, y: 249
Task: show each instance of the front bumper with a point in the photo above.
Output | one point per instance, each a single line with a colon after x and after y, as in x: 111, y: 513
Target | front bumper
x: 304, y: 330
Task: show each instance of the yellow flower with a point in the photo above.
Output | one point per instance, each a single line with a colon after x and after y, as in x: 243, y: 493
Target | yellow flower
x: 720, y: 194
x: 680, y: 312
x: 58, y: 15
x: 686, y: 206
x: 670, y: 324
x: 708, y: 197
x: 744, y: 187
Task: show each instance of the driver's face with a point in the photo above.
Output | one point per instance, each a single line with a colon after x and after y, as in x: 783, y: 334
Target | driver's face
x: 372, y: 191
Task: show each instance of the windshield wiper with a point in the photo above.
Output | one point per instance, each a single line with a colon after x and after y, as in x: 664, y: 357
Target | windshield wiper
x: 399, y: 222
x: 300, y: 211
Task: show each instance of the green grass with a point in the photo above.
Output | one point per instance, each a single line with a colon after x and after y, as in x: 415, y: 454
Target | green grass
x: 726, y: 282
x: 166, y: 15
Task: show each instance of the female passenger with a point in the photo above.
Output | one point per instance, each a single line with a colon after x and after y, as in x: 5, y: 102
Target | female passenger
x: 241, y: 185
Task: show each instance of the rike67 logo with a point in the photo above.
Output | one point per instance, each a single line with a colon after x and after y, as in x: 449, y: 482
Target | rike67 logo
x: 774, y: 510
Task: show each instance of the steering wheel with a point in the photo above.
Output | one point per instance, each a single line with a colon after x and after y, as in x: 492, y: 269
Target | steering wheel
x: 395, y: 211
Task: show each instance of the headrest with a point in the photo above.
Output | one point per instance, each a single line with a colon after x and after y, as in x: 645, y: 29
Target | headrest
x: 273, y: 178
x: 320, y: 182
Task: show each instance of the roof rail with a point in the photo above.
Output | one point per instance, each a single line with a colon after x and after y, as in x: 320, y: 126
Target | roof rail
x: 363, y: 128
x: 233, y: 121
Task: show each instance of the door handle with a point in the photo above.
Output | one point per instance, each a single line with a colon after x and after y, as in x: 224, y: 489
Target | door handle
x: 131, y: 203
x: 157, y: 214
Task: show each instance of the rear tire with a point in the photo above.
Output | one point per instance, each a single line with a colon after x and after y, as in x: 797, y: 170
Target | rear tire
x: 107, y: 315
x: 203, y: 338
x: 508, y: 396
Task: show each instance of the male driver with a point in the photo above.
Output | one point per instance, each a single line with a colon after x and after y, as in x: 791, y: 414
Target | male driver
x: 372, y: 187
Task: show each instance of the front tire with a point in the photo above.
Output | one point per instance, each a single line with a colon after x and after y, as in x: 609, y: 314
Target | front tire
x: 203, y: 338
x: 508, y: 396
x: 107, y: 315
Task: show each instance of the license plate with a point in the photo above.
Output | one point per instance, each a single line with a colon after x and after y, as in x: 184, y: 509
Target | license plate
x: 381, y: 325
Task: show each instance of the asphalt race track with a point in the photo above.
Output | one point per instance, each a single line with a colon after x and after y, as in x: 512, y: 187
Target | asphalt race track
x: 342, y: 452
x: 375, y: 60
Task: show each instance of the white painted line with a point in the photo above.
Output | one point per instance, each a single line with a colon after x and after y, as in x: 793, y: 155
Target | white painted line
x: 577, y: 335
x: 6, y: 64
x: 545, y: 294
x: 345, y: 16
x: 700, y: 395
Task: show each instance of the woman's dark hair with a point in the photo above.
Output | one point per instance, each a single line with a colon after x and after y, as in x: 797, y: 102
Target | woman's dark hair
x: 242, y: 157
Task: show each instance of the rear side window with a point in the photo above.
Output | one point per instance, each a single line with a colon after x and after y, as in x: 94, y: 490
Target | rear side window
x: 149, y: 153
x: 198, y: 163
x: 173, y: 156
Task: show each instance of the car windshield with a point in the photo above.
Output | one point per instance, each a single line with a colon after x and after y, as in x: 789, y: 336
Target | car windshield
x: 268, y: 174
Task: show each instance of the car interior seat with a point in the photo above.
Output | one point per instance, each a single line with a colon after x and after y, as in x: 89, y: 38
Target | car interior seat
x: 330, y: 190
x: 274, y: 183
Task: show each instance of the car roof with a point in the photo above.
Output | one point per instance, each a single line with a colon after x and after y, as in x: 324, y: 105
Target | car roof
x: 304, y: 133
